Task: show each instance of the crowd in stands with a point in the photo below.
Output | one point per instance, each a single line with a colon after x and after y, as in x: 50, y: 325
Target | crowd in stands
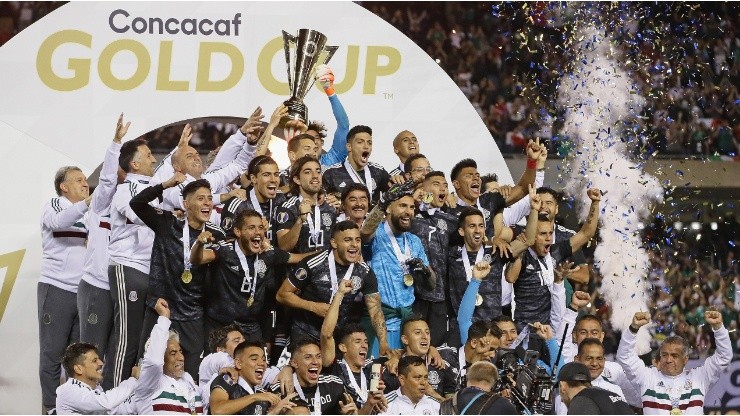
x: 507, y: 59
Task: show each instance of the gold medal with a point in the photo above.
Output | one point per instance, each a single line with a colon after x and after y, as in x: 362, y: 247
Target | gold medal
x: 676, y: 411
x: 250, y: 301
x: 408, y: 280
x: 428, y: 198
x: 478, y: 300
x: 186, y: 277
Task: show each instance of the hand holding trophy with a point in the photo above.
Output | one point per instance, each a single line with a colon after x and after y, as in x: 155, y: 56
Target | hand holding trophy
x: 303, y: 53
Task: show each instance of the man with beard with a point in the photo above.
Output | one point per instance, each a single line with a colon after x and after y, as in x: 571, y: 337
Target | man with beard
x: 405, y: 144
x: 173, y: 276
x: 164, y: 385
x: 82, y: 393
x: 398, y: 258
x: 357, y: 167
x: 467, y: 183
x: 667, y: 387
x: 262, y: 196
x: 324, y: 393
x: 417, y: 342
x: 434, y: 228
x: 245, y: 396
x: 317, y: 279
x: 459, y: 271
x: 412, y: 397
x: 304, y: 224
x: 130, y: 252
x: 242, y: 275
x: 533, y: 273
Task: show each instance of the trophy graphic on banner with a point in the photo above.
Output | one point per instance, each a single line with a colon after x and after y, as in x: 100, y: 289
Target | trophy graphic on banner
x: 302, y: 55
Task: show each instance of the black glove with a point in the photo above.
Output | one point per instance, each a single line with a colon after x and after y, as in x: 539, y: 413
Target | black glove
x: 395, y: 192
x: 420, y: 271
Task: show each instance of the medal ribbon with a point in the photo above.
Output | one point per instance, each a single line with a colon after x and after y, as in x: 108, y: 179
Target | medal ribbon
x: 362, y: 388
x: 401, y: 257
x: 186, y: 247
x: 466, y: 261
x: 245, y: 266
x: 256, y: 204
x: 356, y: 178
x: 316, y: 397
x: 315, y: 227
x: 547, y: 272
x: 333, y: 275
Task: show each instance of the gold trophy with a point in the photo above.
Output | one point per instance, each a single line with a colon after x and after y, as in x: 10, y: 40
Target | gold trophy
x: 303, y: 53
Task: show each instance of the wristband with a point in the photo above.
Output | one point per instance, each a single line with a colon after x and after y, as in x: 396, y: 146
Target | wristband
x: 329, y: 91
x: 531, y: 163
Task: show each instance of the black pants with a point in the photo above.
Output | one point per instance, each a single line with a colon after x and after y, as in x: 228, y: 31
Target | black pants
x: 95, y: 308
x: 128, y: 289
x: 59, y: 326
x: 435, y: 314
x: 192, y: 339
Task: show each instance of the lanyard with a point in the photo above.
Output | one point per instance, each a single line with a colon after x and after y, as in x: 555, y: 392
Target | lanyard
x: 362, y: 388
x: 401, y: 257
x: 186, y: 247
x: 316, y: 396
x: 245, y: 385
x: 256, y: 204
x: 245, y: 266
x: 466, y: 260
x: 333, y: 274
x: 547, y: 272
x: 356, y: 178
x: 314, y: 224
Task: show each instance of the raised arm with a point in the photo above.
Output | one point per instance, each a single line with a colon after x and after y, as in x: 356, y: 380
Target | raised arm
x: 338, y: 150
x: 102, y: 197
x: 234, y: 144
x: 152, y: 365
x: 513, y: 270
x: 164, y: 169
x: 288, y: 237
x: 530, y: 232
x: 467, y: 303
x: 199, y: 254
x: 140, y: 203
x: 56, y: 218
x: 328, y: 346
x: 534, y: 150
x: 588, y: 230
x: 626, y: 355
x: 720, y: 360
x: 377, y: 214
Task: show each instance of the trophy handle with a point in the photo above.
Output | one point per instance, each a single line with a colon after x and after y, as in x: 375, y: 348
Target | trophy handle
x: 330, y: 50
x: 287, y: 40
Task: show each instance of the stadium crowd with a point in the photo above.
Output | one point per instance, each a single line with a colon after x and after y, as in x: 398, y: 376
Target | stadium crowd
x: 337, y: 286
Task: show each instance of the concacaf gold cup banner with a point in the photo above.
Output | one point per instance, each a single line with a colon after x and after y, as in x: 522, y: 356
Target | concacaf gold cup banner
x: 65, y: 79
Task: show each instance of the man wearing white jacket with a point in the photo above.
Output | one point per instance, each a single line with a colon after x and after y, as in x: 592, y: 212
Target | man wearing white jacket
x: 668, y: 388
x: 164, y: 386
x: 82, y: 394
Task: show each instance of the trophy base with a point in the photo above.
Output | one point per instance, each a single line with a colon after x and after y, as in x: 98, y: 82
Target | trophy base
x: 297, y: 112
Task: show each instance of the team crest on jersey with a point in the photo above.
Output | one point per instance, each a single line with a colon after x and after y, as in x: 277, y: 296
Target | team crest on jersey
x: 687, y: 385
x: 356, y: 283
x: 133, y: 296
x: 442, y: 225
x: 260, y: 267
x: 92, y: 318
x: 326, y: 219
x: 606, y: 373
x: 258, y: 409
x: 227, y: 223
x: 301, y: 273
x: 486, y: 213
x: 487, y: 258
x: 282, y: 217
x: 433, y: 377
